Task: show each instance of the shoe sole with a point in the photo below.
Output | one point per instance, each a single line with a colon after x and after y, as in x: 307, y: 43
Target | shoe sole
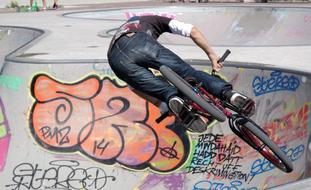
x: 176, y: 106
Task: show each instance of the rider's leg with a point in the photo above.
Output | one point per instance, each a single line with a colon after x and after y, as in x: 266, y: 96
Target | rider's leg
x: 129, y: 59
x: 126, y: 63
x: 214, y: 85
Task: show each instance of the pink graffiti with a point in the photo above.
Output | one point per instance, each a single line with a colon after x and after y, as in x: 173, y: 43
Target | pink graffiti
x: 295, y: 33
x: 307, y: 18
x: 172, y: 182
x: 129, y: 15
x: 4, y: 136
x: 4, y: 146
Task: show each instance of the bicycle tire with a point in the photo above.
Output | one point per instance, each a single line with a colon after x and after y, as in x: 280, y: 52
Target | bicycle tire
x: 186, y: 89
x: 251, y: 133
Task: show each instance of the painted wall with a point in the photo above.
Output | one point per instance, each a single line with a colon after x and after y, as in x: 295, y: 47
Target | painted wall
x: 76, y: 126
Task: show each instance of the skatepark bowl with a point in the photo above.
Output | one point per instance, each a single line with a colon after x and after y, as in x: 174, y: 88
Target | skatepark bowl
x: 88, y: 130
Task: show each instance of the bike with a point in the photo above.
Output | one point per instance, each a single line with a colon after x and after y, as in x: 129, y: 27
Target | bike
x: 198, y: 101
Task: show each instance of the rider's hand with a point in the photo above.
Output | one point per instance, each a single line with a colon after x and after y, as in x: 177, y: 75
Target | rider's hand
x: 216, y: 66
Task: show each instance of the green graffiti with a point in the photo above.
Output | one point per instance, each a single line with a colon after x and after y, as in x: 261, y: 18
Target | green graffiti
x: 10, y: 82
x: 3, y: 131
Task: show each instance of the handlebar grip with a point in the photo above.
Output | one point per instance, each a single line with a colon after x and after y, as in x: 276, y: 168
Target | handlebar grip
x: 222, y: 59
x: 224, y: 56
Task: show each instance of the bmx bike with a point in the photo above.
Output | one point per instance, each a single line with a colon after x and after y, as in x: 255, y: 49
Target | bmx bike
x: 198, y: 101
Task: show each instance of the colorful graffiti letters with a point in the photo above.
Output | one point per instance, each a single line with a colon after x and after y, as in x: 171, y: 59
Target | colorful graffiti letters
x: 106, y: 122
x: 276, y: 82
x: 294, y: 123
x: 62, y: 174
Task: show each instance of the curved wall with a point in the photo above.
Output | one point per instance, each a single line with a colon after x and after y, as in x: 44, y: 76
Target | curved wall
x: 87, y: 130
x: 227, y: 25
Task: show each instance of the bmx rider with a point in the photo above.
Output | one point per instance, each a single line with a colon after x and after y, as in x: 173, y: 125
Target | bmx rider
x: 134, y: 49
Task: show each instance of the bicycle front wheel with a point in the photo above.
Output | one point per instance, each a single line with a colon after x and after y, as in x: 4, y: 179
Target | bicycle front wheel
x: 186, y: 89
x: 252, y: 134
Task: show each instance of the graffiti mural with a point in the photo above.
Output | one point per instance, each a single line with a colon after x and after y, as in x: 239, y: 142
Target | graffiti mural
x: 101, y: 119
x: 4, y: 136
x: 105, y: 122
x: 294, y: 123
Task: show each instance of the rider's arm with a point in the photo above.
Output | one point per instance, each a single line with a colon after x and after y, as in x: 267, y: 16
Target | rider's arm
x: 188, y: 30
x: 202, y: 42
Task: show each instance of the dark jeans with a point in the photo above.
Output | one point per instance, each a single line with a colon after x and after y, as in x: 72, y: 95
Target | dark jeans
x: 130, y: 58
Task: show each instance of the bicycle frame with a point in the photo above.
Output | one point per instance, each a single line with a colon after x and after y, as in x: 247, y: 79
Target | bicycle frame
x: 199, y: 102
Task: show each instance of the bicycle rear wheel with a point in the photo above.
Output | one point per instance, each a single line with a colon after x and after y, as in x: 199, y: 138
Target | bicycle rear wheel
x: 253, y: 135
x: 186, y: 89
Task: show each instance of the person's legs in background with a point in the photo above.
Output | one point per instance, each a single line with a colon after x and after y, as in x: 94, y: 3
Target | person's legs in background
x: 43, y: 4
x: 55, y: 5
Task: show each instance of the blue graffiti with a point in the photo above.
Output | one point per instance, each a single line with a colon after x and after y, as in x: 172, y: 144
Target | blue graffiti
x: 276, y: 82
x: 263, y: 165
x: 208, y: 185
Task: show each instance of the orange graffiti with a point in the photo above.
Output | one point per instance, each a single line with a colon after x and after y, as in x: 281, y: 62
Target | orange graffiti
x: 295, y: 123
x: 105, y: 122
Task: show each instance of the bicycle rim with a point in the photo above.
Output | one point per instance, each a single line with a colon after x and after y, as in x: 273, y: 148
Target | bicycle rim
x: 259, y: 140
x: 186, y: 89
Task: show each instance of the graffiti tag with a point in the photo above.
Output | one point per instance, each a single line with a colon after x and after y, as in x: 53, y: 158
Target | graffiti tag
x: 276, y: 82
x: 214, y: 185
x: 62, y: 174
x: 262, y: 165
x: 220, y: 159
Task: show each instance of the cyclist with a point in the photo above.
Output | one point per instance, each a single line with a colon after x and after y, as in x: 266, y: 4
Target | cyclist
x: 134, y: 49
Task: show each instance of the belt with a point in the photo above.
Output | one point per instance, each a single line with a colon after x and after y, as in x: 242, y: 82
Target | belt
x: 130, y: 34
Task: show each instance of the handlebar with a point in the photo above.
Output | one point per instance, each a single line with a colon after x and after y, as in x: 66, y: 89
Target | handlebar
x: 222, y: 59
x: 224, y: 56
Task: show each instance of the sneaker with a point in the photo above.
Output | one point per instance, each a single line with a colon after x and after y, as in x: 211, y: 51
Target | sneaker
x: 176, y: 104
x: 242, y: 102
x: 189, y: 120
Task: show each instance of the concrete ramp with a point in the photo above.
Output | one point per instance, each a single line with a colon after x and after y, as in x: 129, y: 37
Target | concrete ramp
x: 74, y: 125
x: 227, y: 25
